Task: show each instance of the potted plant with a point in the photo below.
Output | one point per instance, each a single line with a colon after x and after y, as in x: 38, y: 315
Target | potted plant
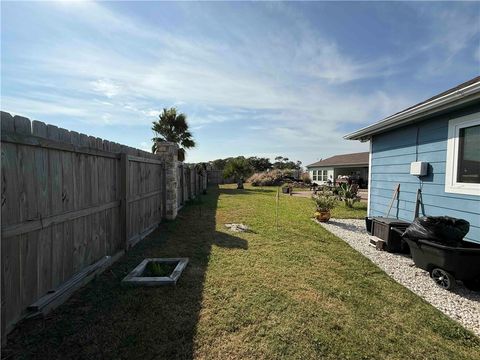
x: 324, y: 204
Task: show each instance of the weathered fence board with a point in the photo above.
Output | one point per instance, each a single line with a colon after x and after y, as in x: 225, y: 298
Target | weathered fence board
x: 68, y: 200
x: 191, y: 181
x: 215, y: 177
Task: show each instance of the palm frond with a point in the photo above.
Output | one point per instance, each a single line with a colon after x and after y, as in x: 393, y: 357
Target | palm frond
x: 172, y: 126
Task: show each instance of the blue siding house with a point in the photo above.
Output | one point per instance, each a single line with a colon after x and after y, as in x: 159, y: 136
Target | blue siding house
x: 442, y: 132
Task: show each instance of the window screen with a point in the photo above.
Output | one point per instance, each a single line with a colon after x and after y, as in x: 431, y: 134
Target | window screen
x: 469, y: 155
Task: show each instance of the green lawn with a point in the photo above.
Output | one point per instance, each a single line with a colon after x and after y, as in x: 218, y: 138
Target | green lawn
x: 294, y: 293
x: 359, y: 211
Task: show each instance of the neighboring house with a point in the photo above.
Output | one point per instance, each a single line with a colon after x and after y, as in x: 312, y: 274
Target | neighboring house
x: 443, y: 132
x: 354, y: 165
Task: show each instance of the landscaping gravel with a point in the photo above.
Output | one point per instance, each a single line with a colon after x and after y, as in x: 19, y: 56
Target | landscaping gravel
x: 460, y: 304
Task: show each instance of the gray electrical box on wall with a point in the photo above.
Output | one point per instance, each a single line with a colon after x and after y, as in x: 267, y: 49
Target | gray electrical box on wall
x: 419, y: 168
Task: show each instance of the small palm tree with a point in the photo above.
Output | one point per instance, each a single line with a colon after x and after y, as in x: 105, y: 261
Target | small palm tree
x: 238, y: 168
x: 173, y: 127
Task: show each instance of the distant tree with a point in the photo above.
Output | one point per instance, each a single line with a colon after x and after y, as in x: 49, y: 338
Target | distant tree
x: 201, y: 167
x: 219, y: 164
x: 279, y: 163
x: 283, y: 163
x: 239, y: 168
x: 260, y: 164
x: 173, y: 127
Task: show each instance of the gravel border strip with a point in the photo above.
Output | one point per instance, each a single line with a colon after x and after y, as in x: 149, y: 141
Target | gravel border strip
x: 460, y: 304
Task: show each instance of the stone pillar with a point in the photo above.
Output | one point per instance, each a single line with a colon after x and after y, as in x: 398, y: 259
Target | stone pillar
x: 169, y: 153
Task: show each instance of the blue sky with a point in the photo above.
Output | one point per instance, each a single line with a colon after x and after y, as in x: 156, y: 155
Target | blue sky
x: 260, y: 79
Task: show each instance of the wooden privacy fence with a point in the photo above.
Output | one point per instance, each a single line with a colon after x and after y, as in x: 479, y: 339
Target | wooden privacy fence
x: 215, y: 177
x: 68, y: 201
x: 191, y: 181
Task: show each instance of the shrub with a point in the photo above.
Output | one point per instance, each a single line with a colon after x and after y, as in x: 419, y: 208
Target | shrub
x: 267, y: 178
x: 348, y: 193
x: 324, y: 188
x: 300, y: 184
x: 306, y: 178
x: 326, y: 193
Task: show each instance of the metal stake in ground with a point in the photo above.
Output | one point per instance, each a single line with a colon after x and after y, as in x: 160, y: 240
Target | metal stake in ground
x: 277, y: 200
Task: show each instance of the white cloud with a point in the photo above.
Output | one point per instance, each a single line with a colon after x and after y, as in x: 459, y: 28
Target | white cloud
x: 106, y: 87
x: 107, y: 118
x: 448, y: 32
x: 455, y: 29
x: 196, y: 72
x: 152, y: 113
x: 35, y: 108
x: 292, y: 84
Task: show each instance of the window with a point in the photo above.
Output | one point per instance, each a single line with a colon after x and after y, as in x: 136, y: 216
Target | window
x: 324, y: 175
x: 468, y: 169
x: 462, y: 173
x: 320, y: 175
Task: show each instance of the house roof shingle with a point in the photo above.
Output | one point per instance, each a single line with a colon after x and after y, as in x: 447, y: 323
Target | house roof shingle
x: 343, y: 160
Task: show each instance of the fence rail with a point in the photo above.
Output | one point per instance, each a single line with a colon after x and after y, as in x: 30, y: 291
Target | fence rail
x: 215, y: 177
x: 68, y: 200
x: 191, y: 181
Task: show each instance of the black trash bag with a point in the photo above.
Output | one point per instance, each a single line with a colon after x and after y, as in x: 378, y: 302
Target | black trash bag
x: 443, y: 229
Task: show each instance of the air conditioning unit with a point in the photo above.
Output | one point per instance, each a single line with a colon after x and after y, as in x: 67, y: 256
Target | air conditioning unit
x: 419, y: 168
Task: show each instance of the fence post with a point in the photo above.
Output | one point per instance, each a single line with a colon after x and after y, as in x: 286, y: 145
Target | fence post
x: 124, y: 197
x: 182, y: 187
x: 169, y: 153
x: 164, y: 193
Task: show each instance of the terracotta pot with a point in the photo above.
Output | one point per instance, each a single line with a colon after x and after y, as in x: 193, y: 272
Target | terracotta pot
x: 322, y: 216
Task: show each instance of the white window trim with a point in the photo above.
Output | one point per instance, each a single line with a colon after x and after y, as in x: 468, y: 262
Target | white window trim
x: 324, y: 176
x: 319, y: 175
x: 451, y: 184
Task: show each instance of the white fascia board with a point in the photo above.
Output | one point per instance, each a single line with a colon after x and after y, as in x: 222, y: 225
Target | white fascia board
x: 469, y: 93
